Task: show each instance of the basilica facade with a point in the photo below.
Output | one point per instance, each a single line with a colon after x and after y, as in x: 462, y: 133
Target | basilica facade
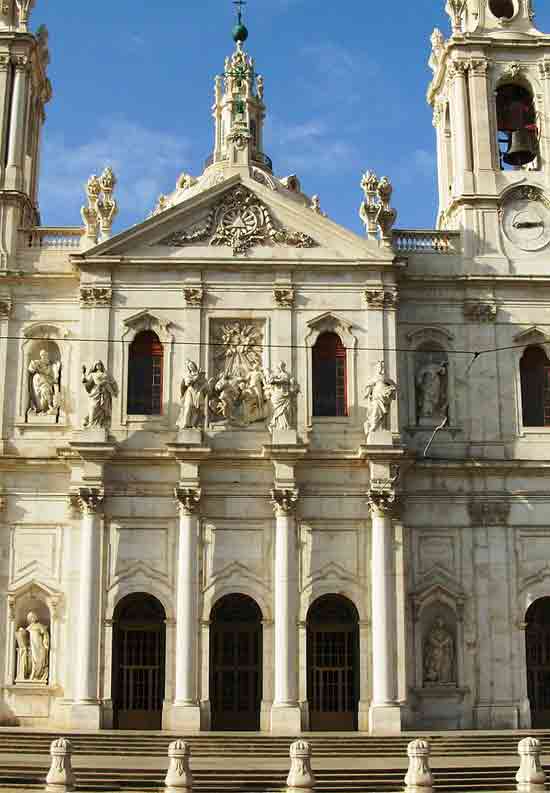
x: 259, y: 472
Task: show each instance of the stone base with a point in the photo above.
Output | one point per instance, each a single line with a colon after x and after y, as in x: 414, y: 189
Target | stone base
x: 385, y: 719
x: 86, y: 716
x: 184, y: 718
x: 378, y: 437
x: 189, y: 437
x: 284, y: 438
x: 286, y: 720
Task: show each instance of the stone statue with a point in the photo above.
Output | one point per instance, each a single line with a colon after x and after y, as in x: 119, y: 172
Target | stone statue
x: 228, y: 390
x: 44, y: 385
x: 379, y: 393
x: 194, y: 390
x: 33, y: 651
x: 282, y: 391
x: 439, y: 655
x: 431, y: 390
x: 252, y: 396
x: 23, y: 654
x: 101, y: 388
x: 438, y: 45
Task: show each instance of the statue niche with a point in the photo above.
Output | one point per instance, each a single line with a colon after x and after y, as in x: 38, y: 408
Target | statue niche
x: 431, y: 385
x: 439, y: 655
x: 33, y: 651
x: 43, y: 372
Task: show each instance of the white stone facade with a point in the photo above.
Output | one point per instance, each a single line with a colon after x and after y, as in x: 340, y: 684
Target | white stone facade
x: 425, y: 506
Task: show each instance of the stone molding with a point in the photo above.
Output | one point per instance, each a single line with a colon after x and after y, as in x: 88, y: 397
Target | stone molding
x: 193, y: 296
x: 284, y: 501
x: 489, y: 513
x: 95, y: 296
x: 475, y: 311
x: 284, y: 297
x: 188, y: 499
x: 382, y: 497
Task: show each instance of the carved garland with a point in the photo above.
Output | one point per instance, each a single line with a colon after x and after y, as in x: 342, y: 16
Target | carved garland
x: 94, y: 296
x: 240, y: 221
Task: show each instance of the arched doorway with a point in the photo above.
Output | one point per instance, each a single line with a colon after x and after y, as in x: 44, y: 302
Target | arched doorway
x: 537, y: 643
x: 139, y: 662
x: 236, y: 664
x: 333, y: 664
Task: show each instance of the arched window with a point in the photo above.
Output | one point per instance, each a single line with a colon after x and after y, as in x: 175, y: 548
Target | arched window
x: 535, y: 387
x: 145, y: 375
x: 517, y: 126
x: 329, y: 376
x: 502, y: 9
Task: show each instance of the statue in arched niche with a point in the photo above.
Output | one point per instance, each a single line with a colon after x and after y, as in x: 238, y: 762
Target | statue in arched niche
x: 33, y: 651
x: 431, y: 386
x: 44, y: 385
x: 439, y: 655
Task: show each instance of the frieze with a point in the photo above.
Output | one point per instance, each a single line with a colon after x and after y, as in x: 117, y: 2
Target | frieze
x: 240, y: 221
x: 489, y: 513
x: 95, y: 296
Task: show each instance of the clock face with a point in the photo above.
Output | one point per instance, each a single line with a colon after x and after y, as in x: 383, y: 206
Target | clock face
x: 526, y: 223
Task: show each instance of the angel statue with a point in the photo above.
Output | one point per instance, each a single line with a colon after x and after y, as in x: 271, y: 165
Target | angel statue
x: 101, y: 389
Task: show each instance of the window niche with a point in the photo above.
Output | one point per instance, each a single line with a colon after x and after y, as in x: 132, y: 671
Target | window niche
x: 503, y: 9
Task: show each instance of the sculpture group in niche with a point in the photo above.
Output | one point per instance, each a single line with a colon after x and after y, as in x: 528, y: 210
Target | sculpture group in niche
x: 439, y: 656
x: 380, y: 392
x: 44, y: 385
x: 33, y: 651
x: 101, y: 389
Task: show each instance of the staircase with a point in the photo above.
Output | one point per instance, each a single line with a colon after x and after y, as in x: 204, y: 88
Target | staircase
x: 259, y: 763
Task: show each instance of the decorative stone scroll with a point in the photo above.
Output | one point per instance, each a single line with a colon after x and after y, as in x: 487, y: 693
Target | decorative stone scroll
x: 489, y: 513
x: 95, y: 296
x: 284, y: 501
x: 239, y: 221
x: 188, y: 498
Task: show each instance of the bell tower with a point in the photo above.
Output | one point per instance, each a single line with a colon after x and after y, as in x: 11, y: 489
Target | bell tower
x: 24, y: 92
x: 490, y: 95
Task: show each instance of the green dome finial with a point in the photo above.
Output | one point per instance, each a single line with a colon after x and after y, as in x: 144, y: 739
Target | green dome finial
x: 239, y: 32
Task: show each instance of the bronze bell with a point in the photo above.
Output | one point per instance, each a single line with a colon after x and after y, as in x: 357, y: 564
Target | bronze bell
x: 522, y: 148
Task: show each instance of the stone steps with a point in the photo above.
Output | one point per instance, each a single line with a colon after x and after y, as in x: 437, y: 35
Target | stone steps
x: 21, y: 741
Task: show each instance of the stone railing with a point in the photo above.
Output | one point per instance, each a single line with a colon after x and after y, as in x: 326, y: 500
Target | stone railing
x: 426, y: 241
x: 59, y: 239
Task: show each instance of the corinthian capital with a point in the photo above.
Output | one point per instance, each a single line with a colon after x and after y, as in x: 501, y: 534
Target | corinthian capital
x: 284, y: 501
x: 90, y: 500
x: 382, y: 496
x: 188, y: 498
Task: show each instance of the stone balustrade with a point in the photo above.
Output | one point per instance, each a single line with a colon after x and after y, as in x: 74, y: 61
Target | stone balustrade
x: 426, y: 241
x: 50, y: 238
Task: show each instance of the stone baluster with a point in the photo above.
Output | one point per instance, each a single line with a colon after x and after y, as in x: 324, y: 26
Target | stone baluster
x: 186, y: 711
x: 300, y: 776
x: 285, y: 712
x: 60, y: 776
x: 179, y: 775
x: 385, y: 715
x: 419, y: 777
x: 530, y: 778
x: 90, y: 502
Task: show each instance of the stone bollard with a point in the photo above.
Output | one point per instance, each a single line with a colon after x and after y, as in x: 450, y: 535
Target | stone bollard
x: 179, y: 776
x: 530, y: 777
x: 60, y: 776
x: 300, y: 776
x: 419, y: 777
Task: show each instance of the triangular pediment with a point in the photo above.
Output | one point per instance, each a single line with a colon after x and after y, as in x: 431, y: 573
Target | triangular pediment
x: 240, y: 219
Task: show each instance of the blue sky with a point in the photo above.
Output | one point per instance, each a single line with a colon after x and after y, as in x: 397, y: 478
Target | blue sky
x: 345, y: 91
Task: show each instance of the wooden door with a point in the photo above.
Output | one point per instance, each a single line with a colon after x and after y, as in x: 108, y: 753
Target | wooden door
x: 236, y: 664
x: 537, y: 637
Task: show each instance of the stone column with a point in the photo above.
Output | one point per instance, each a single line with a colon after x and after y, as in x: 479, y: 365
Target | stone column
x: 461, y: 126
x: 86, y: 713
x: 483, y: 144
x: 285, y: 714
x: 385, y: 713
x: 186, y: 709
x: 14, y: 170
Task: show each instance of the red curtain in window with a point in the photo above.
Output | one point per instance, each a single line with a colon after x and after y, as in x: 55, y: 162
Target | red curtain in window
x: 145, y: 363
x: 329, y: 378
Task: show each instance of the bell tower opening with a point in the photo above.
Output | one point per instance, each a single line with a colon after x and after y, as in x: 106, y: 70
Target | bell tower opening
x: 517, y: 126
x: 502, y: 9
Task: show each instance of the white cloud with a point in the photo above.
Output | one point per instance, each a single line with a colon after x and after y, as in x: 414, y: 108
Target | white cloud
x: 145, y: 161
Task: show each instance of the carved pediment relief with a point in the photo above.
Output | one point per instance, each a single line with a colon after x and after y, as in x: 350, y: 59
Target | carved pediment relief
x: 240, y: 221
x: 532, y: 335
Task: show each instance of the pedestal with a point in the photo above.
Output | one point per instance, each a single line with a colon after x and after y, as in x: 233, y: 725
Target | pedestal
x: 286, y: 719
x: 185, y: 718
x: 385, y: 719
x: 86, y: 716
x: 189, y: 437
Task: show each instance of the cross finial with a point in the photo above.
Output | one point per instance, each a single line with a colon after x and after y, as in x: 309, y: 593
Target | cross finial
x: 239, y: 4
